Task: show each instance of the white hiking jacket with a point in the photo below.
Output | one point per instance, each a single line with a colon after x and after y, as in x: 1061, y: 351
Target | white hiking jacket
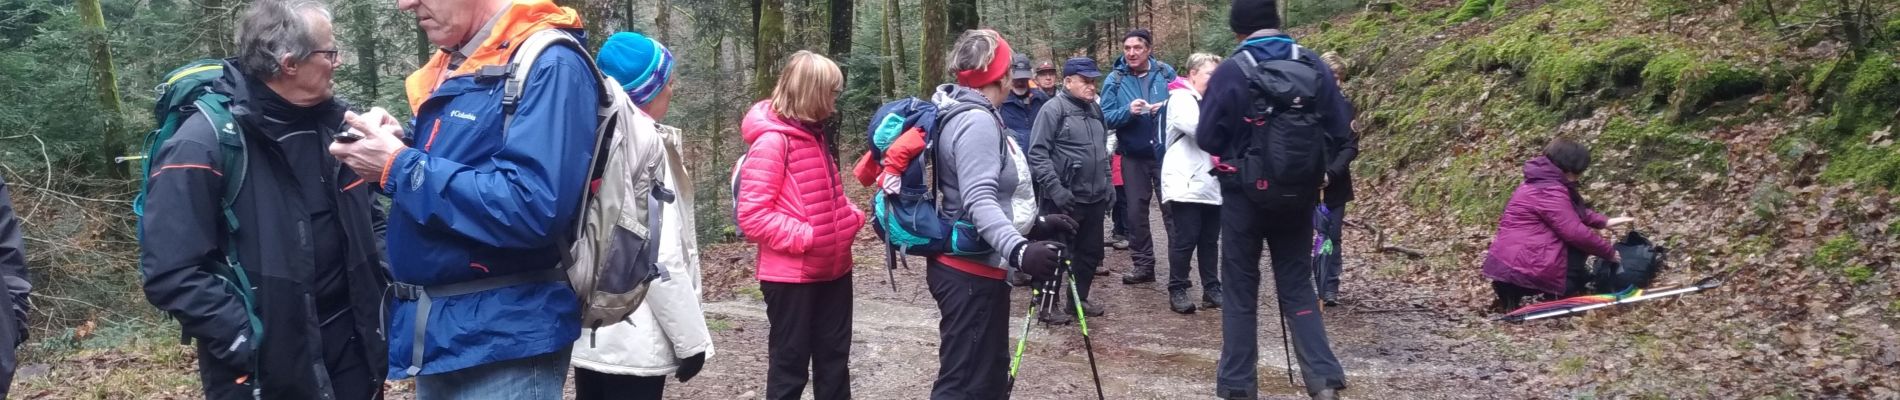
x: 1185, y: 175
x: 670, y: 325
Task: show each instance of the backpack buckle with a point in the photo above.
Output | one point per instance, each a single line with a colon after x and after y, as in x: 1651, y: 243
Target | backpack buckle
x: 495, y: 71
x: 406, y: 291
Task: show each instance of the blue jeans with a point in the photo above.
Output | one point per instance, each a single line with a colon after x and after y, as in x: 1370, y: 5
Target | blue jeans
x: 532, y: 378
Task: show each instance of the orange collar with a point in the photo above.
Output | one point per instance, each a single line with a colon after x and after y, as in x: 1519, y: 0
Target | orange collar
x: 517, y: 22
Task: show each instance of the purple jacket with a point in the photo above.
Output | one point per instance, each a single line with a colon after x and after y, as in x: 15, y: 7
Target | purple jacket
x: 1542, y: 220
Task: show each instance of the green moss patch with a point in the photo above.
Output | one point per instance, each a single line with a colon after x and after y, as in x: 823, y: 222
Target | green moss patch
x: 1658, y: 151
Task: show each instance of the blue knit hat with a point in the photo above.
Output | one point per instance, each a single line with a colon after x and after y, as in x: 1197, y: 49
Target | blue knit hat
x: 641, y: 65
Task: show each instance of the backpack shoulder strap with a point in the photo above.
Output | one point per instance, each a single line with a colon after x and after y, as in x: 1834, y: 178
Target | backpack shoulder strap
x: 520, y: 65
x: 943, y: 120
x: 232, y: 160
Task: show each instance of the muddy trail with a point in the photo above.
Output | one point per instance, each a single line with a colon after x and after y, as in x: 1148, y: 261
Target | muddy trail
x: 1392, y: 343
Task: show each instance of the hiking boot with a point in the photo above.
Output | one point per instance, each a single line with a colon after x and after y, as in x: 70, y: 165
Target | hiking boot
x: 1210, y: 300
x: 1101, y: 271
x: 1056, y: 318
x: 1132, y: 279
x: 1119, y: 243
x: 1088, y: 309
x: 1331, y: 299
x: 1178, y: 301
x: 1326, y: 394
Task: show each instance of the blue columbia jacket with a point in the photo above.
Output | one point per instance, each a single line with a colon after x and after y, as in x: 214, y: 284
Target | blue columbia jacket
x: 474, y: 199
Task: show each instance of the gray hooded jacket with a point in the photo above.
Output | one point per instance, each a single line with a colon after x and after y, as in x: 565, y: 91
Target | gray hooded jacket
x: 970, y: 184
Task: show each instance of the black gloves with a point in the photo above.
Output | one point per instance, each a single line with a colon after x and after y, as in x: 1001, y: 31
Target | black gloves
x: 690, y: 366
x: 1050, y: 226
x: 1041, y: 260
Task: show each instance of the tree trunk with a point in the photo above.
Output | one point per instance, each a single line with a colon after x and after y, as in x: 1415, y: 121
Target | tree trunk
x: 662, y: 21
x: 423, y: 47
x: 898, y: 48
x: 105, y: 84
x: 768, y: 35
x: 930, y: 71
x: 886, y: 72
x: 841, y: 25
x: 368, y: 60
x: 214, y: 28
x: 963, y: 17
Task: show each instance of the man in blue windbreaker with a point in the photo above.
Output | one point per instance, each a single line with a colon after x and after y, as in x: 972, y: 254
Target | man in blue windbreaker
x: 483, y: 202
x: 1132, y: 98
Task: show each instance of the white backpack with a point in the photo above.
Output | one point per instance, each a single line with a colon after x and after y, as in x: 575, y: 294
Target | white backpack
x: 614, y: 256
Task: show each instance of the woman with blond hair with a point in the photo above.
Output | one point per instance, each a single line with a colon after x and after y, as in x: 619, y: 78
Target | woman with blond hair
x: 978, y: 167
x: 791, y: 202
x: 1189, y: 188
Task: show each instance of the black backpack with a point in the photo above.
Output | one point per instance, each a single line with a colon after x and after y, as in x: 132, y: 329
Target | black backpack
x: 1287, y: 148
x: 1642, y: 259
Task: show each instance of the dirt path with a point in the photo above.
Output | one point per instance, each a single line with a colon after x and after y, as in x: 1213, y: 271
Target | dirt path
x: 1144, y: 351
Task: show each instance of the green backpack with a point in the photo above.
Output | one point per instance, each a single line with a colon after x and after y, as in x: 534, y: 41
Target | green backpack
x: 186, y: 93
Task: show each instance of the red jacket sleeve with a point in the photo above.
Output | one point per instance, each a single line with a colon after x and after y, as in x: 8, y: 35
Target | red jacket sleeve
x: 905, y: 149
x: 758, y: 199
x: 1554, y: 208
x: 866, y: 171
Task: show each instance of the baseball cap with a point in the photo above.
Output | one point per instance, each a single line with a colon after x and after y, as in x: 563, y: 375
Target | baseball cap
x: 1046, y: 67
x: 1019, y: 67
x: 1083, y: 66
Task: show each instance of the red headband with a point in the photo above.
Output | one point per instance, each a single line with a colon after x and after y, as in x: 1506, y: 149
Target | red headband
x: 999, y: 68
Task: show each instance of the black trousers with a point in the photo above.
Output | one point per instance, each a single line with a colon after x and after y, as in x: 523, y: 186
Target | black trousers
x: 1577, y: 280
x: 11, y: 334
x: 1143, y: 181
x: 811, y: 329
x: 973, y: 352
x: 1086, y: 244
x: 1288, y: 235
x: 591, y: 385
x: 1196, y: 230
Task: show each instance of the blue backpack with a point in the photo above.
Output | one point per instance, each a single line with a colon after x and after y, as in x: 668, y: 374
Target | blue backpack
x: 910, y: 221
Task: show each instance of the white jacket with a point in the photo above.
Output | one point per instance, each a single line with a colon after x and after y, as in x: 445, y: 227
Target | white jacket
x: 670, y: 325
x: 1185, y: 175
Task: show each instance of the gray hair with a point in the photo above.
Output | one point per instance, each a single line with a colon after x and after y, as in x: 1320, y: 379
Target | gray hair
x: 274, y: 29
x: 975, y: 49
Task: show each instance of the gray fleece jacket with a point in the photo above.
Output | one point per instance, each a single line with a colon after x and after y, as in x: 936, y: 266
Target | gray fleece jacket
x: 970, y: 184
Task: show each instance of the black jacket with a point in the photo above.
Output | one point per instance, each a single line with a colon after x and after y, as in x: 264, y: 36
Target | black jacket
x: 1228, y: 99
x: 183, y: 235
x: 1070, y: 156
x: 13, y: 274
x: 13, y: 260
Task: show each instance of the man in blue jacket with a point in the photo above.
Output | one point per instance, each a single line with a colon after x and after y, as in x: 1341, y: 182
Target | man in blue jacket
x: 1019, y: 109
x: 1245, y: 226
x: 1132, y: 99
x: 484, y: 198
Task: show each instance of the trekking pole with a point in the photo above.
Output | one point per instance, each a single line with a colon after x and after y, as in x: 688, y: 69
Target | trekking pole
x: 1035, y: 300
x: 890, y: 265
x: 1082, y: 319
x: 1286, y: 347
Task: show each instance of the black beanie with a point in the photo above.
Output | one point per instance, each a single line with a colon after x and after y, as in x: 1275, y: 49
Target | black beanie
x: 1249, y: 16
x: 1146, y: 37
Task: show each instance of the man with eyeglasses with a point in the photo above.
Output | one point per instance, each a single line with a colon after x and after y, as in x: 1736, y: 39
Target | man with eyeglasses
x: 301, y: 228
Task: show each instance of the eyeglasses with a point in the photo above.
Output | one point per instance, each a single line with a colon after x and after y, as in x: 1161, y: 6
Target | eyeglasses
x: 332, y: 54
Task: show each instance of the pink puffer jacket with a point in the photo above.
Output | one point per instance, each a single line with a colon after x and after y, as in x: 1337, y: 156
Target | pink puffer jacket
x: 791, y: 202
